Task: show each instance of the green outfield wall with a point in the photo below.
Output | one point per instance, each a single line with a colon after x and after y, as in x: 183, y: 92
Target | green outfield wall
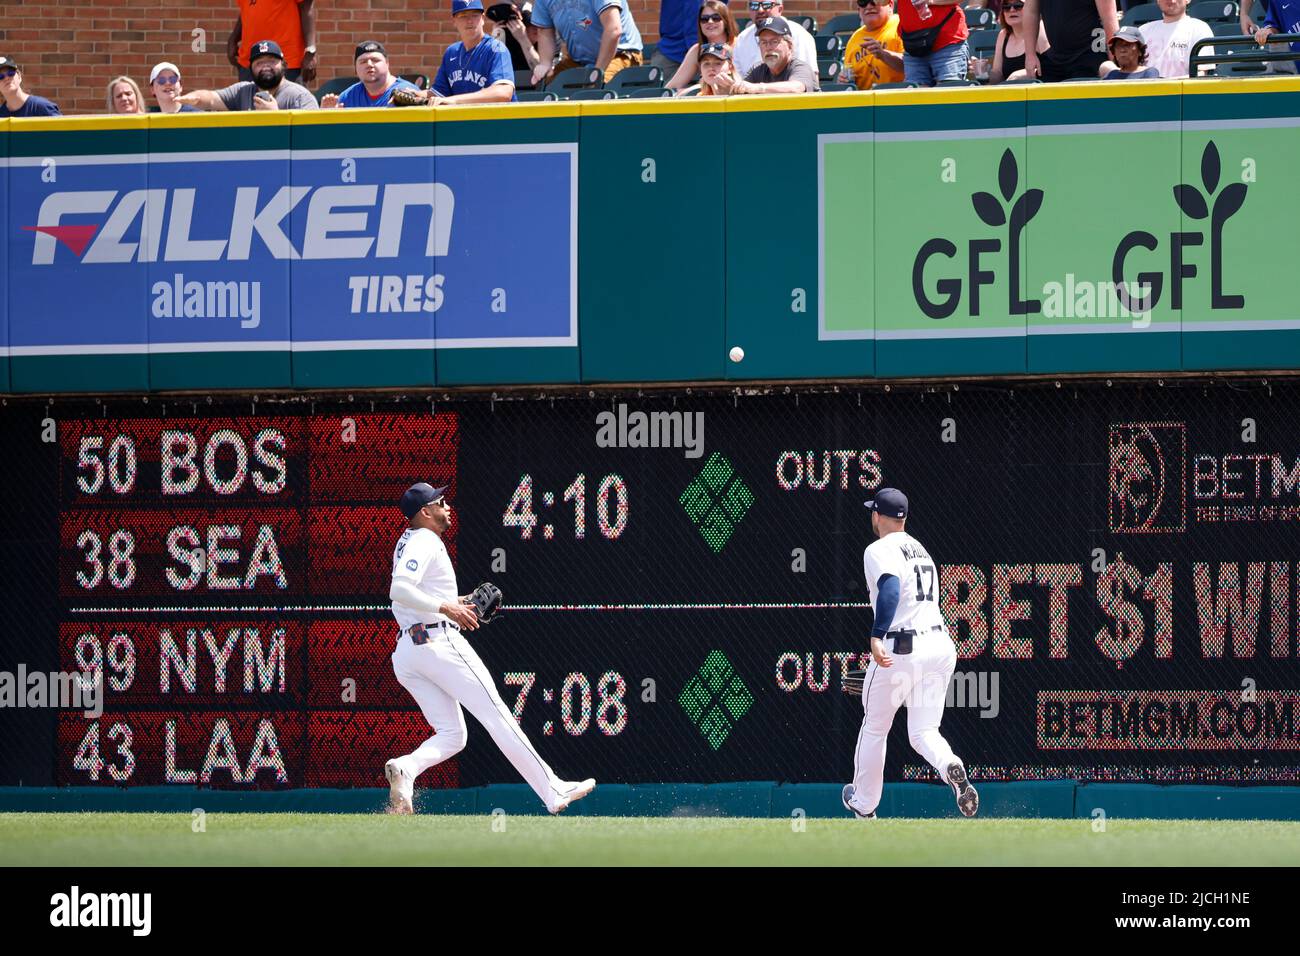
x: 1075, y: 228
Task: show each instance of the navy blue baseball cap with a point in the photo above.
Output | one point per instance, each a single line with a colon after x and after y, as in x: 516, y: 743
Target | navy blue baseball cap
x: 265, y: 48
x: 460, y: 6
x: 889, y: 502
x: 417, y: 496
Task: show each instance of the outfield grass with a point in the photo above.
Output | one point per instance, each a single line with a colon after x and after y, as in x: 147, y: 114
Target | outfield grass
x: 252, y: 839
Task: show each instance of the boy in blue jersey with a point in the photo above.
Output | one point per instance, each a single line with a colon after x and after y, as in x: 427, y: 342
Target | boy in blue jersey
x: 375, y: 83
x: 477, y: 68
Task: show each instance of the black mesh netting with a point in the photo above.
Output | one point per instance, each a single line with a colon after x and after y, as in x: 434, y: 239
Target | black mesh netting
x: 1118, y: 566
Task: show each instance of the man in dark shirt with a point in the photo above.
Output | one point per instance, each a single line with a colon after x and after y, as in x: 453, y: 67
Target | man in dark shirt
x: 779, y: 72
x: 16, y: 101
x: 1079, y: 32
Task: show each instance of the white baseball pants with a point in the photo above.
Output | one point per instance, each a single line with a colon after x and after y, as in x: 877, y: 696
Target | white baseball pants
x: 918, y: 680
x: 446, y: 673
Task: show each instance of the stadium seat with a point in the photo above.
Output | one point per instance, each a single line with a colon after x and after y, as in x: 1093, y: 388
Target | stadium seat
x: 600, y: 94
x: 983, y: 43
x: 828, y: 68
x: 1025, y: 79
x: 1239, y: 68
x: 895, y: 86
x: 645, y: 93
x: 841, y: 26
x: 1227, y: 28
x: 577, y: 78
x: 536, y: 96
x: 692, y: 91
x: 838, y: 87
x: 336, y: 86
x: 1216, y: 11
x: 956, y: 83
x: 632, y: 77
x: 980, y: 18
x: 827, y: 44
x: 524, y: 80
x: 420, y: 80
x: 1142, y: 13
x: 808, y: 23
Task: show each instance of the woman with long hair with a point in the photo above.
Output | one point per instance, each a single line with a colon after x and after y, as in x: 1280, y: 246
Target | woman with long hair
x: 1009, y: 50
x: 716, y: 25
x: 124, y: 96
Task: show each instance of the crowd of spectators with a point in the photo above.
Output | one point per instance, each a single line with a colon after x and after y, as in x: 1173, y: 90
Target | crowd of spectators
x: 701, y: 51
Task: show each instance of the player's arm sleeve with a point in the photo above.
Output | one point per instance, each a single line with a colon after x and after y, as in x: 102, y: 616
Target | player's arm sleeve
x: 503, y: 69
x: 441, y: 83
x: 403, y: 591
x: 542, y: 15
x: 887, y: 600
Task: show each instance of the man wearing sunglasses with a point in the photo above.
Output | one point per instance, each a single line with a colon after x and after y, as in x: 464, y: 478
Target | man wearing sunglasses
x: 874, y: 53
x: 16, y: 101
x: 440, y: 669
x: 746, y: 52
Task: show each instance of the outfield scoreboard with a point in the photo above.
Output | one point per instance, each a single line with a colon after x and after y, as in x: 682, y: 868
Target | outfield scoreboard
x: 682, y: 577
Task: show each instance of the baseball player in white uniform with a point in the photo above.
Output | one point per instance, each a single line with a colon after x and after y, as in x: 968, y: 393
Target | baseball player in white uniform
x: 437, y: 665
x: 912, y: 660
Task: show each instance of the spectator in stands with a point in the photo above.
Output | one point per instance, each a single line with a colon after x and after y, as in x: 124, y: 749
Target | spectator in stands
x: 714, y: 25
x: 513, y: 26
x: 1009, y: 51
x: 716, y: 69
x: 677, y: 28
x: 476, y: 68
x: 290, y: 23
x: 934, y: 41
x: 124, y: 96
x: 780, y: 72
x: 746, y: 49
x: 612, y: 46
x: 874, y: 53
x: 268, y: 90
x: 1283, y: 16
x: 1170, y: 39
x: 1128, y: 57
x: 17, y: 101
x: 375, y: 84
x: 1078, y: 32
x: 165, y: 81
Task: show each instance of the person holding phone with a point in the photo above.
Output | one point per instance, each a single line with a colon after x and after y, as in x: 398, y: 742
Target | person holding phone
x: 513, y: 26
x: 268, y: 90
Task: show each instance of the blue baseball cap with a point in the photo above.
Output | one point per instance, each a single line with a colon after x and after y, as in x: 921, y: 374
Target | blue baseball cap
x: 889, y: 502
x: 460, y: 6
x: 420, y: 493
x: 265, y: 48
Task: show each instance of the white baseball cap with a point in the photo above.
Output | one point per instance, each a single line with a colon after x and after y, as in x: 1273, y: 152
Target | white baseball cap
x: 153, y: 74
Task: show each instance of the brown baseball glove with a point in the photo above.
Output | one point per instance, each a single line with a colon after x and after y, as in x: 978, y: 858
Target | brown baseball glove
x: 405, y: 97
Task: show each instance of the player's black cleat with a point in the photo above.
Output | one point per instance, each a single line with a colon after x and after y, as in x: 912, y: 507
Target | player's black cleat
x: 846, y: 795
x: 968, y: 799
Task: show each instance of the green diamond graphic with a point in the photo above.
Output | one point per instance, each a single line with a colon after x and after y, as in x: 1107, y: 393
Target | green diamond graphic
x: 716, y: 501
x: 715, y: 698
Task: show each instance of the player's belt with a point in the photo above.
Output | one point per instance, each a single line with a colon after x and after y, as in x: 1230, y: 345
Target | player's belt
x: 903, y: 638
x: 420, y: 632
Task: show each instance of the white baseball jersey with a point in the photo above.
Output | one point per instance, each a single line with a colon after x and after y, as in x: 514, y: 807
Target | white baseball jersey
x: 421, y: 557
x: 904, y: 557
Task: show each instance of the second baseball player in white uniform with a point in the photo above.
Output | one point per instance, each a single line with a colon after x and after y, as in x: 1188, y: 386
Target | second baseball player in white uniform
x: 439, y: 667
x: 912, y: 660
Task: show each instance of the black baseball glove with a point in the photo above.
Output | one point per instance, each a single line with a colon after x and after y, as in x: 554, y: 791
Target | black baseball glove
x: 405, y: 97
x: 853, y: 683
x: 486, y: 601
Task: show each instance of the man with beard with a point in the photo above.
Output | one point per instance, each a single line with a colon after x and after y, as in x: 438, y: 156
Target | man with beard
x: 269, y: 90
x: 779, y: 71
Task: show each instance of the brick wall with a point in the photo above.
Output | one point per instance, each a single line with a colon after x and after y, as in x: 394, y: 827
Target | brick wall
x: 69, y: 49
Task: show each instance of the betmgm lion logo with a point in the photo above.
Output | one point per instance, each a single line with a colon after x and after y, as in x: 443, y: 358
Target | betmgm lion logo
x: 1148, y: 477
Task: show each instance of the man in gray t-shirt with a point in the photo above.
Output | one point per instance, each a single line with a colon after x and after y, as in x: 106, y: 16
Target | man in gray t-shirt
x: 779, y: 72
x: 269, y: 90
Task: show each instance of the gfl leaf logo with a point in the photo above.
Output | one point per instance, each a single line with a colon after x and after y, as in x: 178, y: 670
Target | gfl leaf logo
x: 1195, y: 206
x: 992, y: 212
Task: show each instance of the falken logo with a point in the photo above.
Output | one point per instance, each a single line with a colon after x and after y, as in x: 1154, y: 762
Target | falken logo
x: 166, y: 218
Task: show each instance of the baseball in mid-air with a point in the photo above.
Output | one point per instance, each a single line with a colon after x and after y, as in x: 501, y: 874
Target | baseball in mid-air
x: 737, y: 353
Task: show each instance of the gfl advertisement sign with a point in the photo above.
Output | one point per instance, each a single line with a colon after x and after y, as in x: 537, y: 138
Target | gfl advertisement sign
x: 311, y: 250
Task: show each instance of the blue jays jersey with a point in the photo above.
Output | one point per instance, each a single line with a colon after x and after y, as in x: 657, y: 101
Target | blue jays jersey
x: 468, y: 71
x: 356, y: 96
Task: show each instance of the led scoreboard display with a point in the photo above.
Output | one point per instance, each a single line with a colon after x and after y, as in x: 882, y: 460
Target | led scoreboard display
x: 682, y: 577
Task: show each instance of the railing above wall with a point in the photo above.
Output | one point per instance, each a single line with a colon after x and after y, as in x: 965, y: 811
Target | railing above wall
x: 996, y: 231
